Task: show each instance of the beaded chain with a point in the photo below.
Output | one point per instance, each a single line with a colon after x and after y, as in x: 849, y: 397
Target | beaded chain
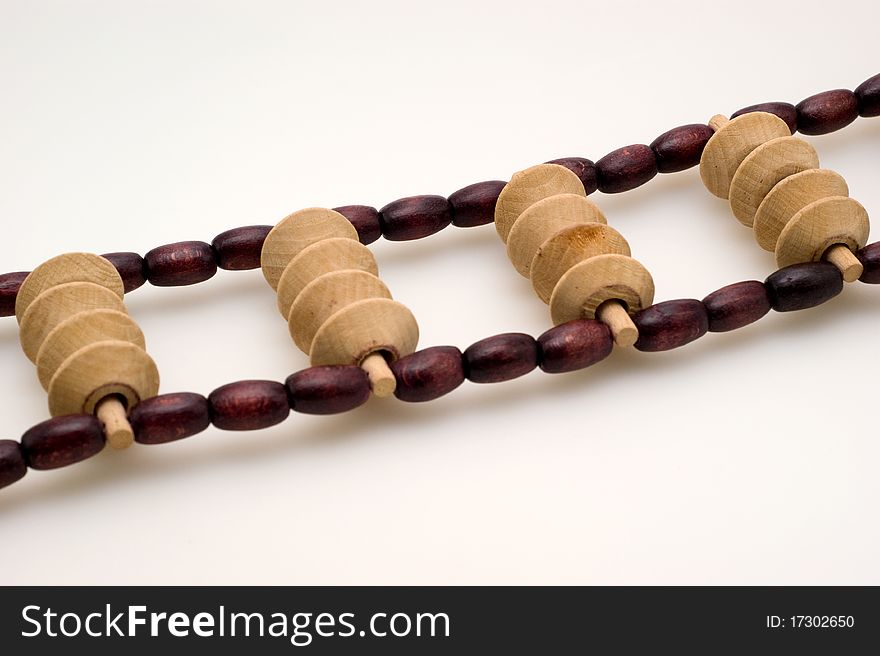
x: 103, y: 387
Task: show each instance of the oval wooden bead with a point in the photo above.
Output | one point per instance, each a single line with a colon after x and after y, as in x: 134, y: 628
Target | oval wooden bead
x: 239, y: 249
x: 131, y: 269
x: 802, y: 286
x: 325, y: 296
x: 62, y: 441
x: 67, y: 268
x: 295, y: 232
x: 365, y: 327
x: 414, y: 217
x: 428, y: 374
x: 365, y: 220
x: 574, y: 345
x: 500, y: 357
x: 180, y: 264
x: 59, y: 303
x: 99, y: 370
x: 819, y: 226
x: 314, y: 261
x: 736, y: 305
x: 763, y: 168
x: 248, y: 405
x: 169, y: 417
x: 529, y: 186
x: 588, y: 284
x: 328, y: 390
x: 680, y: 148
x: 10, y: 283
x: 474, y: 205
x: 12, y: 464
x: 869, y: 256
x: 868, y: 96
x: 544, y: 219
x: 583, y: 168
x: 827, y: 111
x: 789, y: 197
x: 571, y: 246
x: 79, y: 330
x: 670, y: 324
x: 625, y: 168
x: 786, y: 111
x: 729, y: 146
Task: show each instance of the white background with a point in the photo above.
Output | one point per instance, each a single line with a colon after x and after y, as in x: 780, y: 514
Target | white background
x: 748, y: 457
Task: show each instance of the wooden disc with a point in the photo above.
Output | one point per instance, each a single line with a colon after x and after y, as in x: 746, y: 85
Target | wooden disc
x: 789, y: 197
x: 820, y: 225
x: 365, y: 327
x: 59, y: 303
x: 763, y: 168
x: 70, y: 267
x: 325, y: 296
x: 79, y: 330
x: 323, y: 257
x: 527, y: 188
x: 99, y: 370
x: 542, y: 220
x: 587, y: 285
x: 568, y: 247
x: 728, y: 147
x: 293, y: 233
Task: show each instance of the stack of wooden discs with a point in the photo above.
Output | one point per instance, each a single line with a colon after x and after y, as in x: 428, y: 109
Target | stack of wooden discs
x: 579, y: 265
x: 775, y: 186
x: 89, y: 353
x: 338, y: 310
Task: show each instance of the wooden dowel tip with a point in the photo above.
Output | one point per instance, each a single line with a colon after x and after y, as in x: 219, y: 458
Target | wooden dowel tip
x: 614, y: 315
x: 382, y: 381
x: 845, y: 260
x: 114, y: 419
x: 718, y: 121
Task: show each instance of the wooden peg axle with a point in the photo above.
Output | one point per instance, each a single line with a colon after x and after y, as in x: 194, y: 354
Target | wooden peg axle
x: 844, y: 259
x: 111, y: 412
x: 381, y: 377
x: 614, y: 315
x: 718, y: 121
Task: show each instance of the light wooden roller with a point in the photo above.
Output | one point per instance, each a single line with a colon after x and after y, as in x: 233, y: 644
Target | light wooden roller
x: 553, y: 231
x: 89, y: 353
x: 338, y: 310
x: 773, y: 181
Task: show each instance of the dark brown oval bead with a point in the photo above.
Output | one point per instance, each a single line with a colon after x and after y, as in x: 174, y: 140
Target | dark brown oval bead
x: 869, y: 256
x: 327, y: 390
x: 169, y: 417
x: 183, y: 263
x: 10, y: 283
x: 680, y: 148
x: 428, y: 374
x: 827, y: 111
x: 248, y: 405
x: 239, y: 249
x: 12, y: 464
x: 474, y: 205
x: 414, y: 217
x: 786, y: 111
x: 802, y: 286
x: 365, y: 220
x: 670, y: 324
x: 736, y: 305
x: 62, y: 441
x: 868, y: 95
x: 500, y: 357
x: 583, y: 168
x: 626, y: 168
x: 574, y: 345
x: 130, y: 267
